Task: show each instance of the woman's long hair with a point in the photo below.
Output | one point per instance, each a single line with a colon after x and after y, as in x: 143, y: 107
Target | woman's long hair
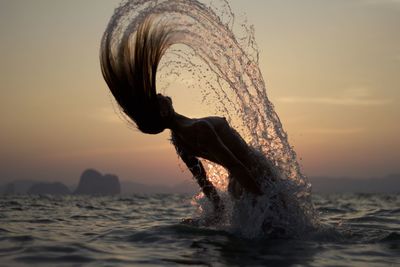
x: 131, y: 74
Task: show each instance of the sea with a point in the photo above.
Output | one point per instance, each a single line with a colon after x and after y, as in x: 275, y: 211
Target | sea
x: 148, y: 230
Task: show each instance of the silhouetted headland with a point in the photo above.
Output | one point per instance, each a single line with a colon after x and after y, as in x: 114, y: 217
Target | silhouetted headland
x: 93, y: 182
x: 48, y: 189
x: 17, y: 187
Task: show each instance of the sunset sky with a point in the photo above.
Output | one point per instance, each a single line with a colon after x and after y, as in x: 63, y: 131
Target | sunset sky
x: 332, y: 70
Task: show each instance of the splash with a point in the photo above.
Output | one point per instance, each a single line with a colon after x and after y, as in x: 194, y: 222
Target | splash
x: 221, y: 56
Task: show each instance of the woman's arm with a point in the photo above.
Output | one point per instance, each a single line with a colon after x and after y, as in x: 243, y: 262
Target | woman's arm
x: 210, y: 141
x: 196, y: 168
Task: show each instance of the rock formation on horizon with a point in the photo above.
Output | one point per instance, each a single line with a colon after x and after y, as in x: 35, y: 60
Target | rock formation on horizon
x: 9, y: 189
x: 17, y: 187
x: 93, y: 182
x: 48, y: 189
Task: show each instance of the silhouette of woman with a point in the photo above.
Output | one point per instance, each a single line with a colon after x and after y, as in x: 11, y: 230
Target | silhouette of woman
x: 131, y: 77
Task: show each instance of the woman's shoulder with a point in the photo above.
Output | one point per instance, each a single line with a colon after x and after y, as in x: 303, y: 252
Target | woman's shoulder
x: 213, y: 120
x: 199, y: 125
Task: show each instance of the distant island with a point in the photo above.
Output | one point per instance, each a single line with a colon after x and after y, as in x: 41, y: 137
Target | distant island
x: 48, y: 189
x: 92, y: 182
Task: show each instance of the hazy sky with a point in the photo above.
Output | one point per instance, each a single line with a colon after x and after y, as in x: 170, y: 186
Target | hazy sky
x: 331, y: 68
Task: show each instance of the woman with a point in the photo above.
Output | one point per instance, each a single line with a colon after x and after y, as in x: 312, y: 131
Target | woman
x: 131, y: 77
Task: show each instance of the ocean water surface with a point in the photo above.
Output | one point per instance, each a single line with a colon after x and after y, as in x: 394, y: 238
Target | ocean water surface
x: 355, y: 230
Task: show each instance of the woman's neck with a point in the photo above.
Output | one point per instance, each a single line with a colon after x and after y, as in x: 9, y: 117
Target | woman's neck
x: 177, y: 122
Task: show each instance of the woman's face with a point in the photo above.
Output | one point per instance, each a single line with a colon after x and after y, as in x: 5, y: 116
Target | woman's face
x: 165, y: 105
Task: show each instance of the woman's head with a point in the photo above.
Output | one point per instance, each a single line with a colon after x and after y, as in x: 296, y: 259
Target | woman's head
x: 165, y: 106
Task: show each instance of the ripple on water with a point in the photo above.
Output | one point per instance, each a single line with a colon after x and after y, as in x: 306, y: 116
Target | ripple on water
x: 45, y: 258
x: 21, y: 238
x: 392, y: 237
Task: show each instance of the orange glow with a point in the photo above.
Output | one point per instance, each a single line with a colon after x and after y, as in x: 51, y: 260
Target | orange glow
x: 334, y: 83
